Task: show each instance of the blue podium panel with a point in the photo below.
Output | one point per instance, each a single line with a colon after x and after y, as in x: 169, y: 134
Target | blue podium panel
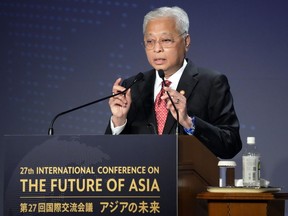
x: 90, y: 175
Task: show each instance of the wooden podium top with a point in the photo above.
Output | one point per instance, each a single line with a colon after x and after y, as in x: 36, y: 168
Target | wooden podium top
x: 242, y: 196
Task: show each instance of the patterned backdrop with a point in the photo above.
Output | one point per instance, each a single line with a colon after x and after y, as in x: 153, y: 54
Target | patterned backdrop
x: 59, y: 54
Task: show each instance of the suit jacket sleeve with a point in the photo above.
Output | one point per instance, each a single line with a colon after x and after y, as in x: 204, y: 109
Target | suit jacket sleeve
x: 219, y: 129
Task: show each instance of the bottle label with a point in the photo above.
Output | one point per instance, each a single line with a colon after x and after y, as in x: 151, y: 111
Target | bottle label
x: 251, y: 170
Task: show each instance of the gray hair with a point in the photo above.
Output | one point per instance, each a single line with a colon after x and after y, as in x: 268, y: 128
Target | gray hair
x: 180, y: 16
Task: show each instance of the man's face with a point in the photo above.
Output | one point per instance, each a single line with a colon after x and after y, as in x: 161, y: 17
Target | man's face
x: 169, y: 47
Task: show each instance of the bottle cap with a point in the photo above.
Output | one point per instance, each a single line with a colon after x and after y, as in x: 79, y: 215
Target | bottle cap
x: 251, y: 140
x: 227, y: 163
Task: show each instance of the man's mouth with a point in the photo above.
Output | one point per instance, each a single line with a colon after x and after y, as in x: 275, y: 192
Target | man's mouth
x: 159, y: 60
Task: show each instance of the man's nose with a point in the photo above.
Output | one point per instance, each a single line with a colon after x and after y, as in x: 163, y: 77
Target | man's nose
x: 158, y: 47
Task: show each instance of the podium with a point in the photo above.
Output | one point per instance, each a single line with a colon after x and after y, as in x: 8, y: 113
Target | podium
x: 161, y: 174
x: 197, y: 169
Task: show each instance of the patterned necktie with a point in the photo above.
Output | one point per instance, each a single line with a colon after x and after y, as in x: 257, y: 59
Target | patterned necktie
x: 160, y: 109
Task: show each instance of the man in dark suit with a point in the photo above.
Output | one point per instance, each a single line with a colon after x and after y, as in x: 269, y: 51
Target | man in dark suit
x: 201, y: 96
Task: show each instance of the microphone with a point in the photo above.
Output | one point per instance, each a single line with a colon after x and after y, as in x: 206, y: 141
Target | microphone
x: 161, y: 74
x: 138, y: 77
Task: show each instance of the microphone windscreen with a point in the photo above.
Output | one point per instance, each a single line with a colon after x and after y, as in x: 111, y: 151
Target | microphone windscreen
x: 161, y: 73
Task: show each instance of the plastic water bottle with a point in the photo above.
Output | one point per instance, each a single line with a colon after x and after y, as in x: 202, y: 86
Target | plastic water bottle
x: 251, y: 164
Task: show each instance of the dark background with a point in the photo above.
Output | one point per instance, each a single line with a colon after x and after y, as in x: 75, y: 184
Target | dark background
x: 58, y: 54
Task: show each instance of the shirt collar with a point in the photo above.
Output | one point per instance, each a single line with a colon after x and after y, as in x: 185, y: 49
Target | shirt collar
x: 174, y: 79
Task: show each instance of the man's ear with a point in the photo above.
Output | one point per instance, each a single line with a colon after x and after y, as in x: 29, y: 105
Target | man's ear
x: 187, y: 42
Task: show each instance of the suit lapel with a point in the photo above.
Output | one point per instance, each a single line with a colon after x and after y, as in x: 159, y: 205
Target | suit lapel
x: 187, y: 83
x: 188, y: 80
